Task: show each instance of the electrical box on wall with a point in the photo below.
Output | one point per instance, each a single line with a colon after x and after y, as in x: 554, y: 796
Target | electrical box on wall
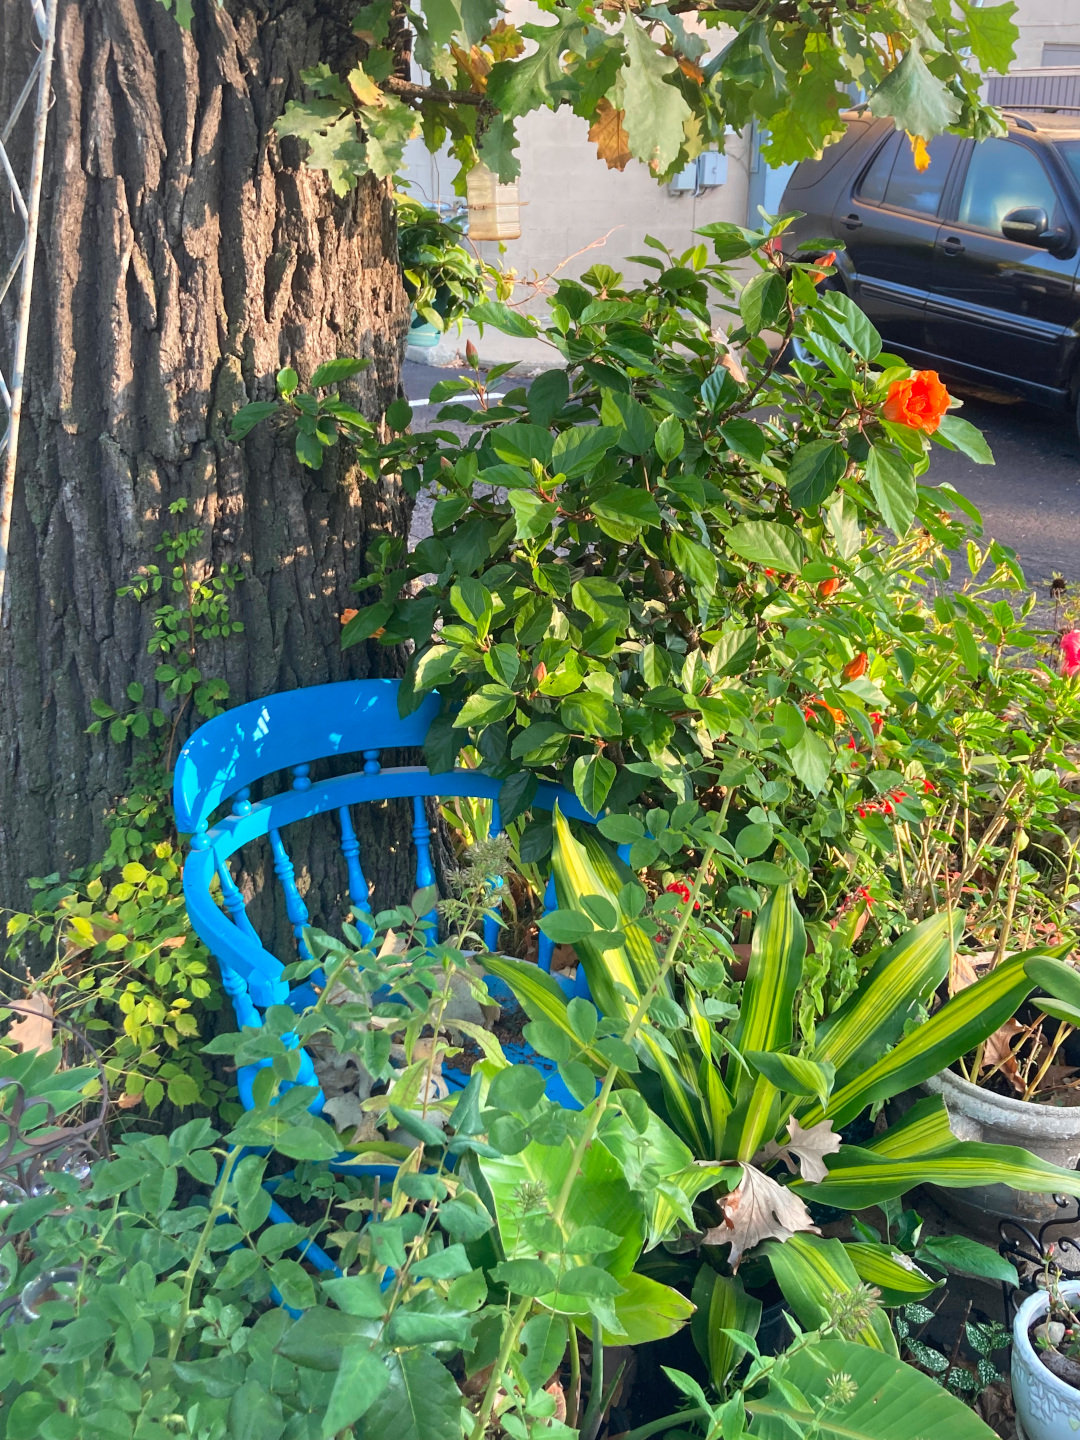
x: 712, y: 169
x: 707, y: 172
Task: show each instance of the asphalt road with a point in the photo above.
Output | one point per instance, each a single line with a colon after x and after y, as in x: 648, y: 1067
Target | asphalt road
x: 1029, y: 499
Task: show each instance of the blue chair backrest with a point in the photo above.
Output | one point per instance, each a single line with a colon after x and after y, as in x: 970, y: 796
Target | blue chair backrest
x: 289, y: 731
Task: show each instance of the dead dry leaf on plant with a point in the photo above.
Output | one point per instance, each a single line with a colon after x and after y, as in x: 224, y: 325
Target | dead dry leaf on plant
x: 33, y: 1030
x: 808, y: 1147
x: 608, y: 134
x: 997, y: 1051
x: 758, y: 1209
x: 734, y: 369
x: 966, y: 969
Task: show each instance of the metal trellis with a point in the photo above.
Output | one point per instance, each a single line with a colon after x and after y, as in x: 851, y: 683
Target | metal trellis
x: 21, y: 266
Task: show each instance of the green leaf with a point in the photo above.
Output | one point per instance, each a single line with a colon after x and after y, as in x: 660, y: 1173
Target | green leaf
x: 893, y: 1274
x: 860, y: 1178
x: 968, y: 1257
x: 778, y: 946
x: 255, y: 1414
x: 992, y: 34
x: 812, y: 1272
x: 722, y: 1306
x: 629, y: 416
x: 765, y: 542
x: 331, y: 135
x: 792, y: 1074
x: 594, y: 776
x: 970, y: 1017
x: 815, y: 469
x: 762, y: 301
x: 399, y: 415
x: 485, y: 706
x: 811, y: 759
x: 335, y: 371
x: 361, y: 1379
x: 421, y: 1402
x: 498, y: 146
x: 848, y: 324
x: 501, y: 317
x: 892, y: 482
x: 576, y: 451
x: 669, y: 439
x: 891, y: 1401
x: 655, y: 111
x: 389, y: 126
x: 961, y: 433
x: 525, y: 1277
x: 647, y: 1311
x: 1062, y: 981
x: 628, y: 507
x: 915, y: 99
x: 543, y: 1338
x: 589, y: 713
x: 517, y: 86
x: 248, y: 416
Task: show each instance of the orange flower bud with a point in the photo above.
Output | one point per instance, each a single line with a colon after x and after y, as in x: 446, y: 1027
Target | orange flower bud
x: 540, y: 672
x: 828, y: 587
x: 347, y: 615
x: 818, y: 275
x: 854, y: 668
x: 472, y: 355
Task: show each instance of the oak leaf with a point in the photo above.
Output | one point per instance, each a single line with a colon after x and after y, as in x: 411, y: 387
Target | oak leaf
x: 808, y: 1147
x: 34, y: 1028
x: 505, y: 42
x: 758, y: 1209
x: 609, y: 136
x: 691, y: 70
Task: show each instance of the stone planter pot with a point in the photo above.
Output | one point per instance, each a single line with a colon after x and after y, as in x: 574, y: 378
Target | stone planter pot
x: 1046, y: 1408
x: 1050, y: 1131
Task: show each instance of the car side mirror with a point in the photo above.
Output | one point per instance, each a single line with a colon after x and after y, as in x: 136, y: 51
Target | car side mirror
x: 1029, y: 226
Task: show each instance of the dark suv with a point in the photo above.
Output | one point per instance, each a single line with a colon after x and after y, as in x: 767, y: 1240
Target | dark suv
x: 969, y: 267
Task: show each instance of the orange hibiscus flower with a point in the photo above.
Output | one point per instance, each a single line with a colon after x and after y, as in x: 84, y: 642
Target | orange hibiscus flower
x: 919, y: 402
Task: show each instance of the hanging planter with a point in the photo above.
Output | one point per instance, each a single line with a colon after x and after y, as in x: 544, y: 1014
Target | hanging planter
x: 494, y: 209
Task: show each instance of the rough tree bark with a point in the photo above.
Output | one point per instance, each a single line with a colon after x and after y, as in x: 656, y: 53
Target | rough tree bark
x: 185, y: 256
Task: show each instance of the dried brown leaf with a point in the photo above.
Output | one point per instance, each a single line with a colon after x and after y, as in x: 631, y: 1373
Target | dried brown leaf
x: 809, y: 1147
x: 691, y: 71
x: 758, y: 1209
x: 34, y: 1028
x: 998, y: 1051
x: 734, y: 369
x: 608, y: 134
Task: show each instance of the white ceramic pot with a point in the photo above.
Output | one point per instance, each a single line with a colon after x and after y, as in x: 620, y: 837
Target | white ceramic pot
x: 1046, y: 1408
x: 1050, y: 1131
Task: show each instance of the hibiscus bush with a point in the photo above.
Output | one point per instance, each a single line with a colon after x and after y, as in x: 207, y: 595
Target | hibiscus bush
x: 678, y: 569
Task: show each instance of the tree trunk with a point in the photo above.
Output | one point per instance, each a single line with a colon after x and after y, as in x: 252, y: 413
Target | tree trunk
x: 185, y: 256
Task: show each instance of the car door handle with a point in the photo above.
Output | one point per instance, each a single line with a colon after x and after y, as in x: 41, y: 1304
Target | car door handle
x: 851, y: 222
x: 953, y: 245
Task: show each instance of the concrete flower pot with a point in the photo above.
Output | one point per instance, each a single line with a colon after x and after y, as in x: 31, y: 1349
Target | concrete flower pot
x: 1046, y: 1407
x: 1050, y: 1131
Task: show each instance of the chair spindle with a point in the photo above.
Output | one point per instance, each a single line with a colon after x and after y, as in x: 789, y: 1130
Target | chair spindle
x: 295, y: 908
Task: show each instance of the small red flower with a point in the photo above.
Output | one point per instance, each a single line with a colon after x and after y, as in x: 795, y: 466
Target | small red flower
x: 851, y: 742
x: 929, y: 788
x: 770, y: 572
x: 678, y: 888
x: 864, y: 894
x: 854, y: 668
x: 861, y: 812
x: 876, y: 722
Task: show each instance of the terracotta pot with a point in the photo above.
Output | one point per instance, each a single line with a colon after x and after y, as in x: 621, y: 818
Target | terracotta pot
x: 1050, y: 1131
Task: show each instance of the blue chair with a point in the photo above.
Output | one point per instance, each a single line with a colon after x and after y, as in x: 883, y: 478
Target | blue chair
x: 287, y: 733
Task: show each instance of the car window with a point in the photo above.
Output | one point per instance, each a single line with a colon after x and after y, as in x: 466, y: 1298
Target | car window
x: 910, y: 188
x: 872, y: 186
x: 1069, y: 150
x: 1003, y: 176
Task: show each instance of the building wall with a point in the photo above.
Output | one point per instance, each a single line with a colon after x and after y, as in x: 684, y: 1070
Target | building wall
x: 1045, y: 22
